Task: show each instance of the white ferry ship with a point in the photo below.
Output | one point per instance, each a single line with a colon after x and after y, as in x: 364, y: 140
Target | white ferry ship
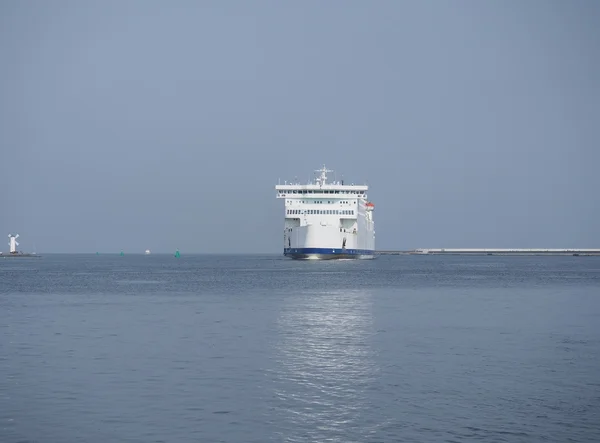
x: 327, y: 220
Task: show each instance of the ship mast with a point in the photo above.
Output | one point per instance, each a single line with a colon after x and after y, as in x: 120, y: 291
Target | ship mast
x: 322, y: 179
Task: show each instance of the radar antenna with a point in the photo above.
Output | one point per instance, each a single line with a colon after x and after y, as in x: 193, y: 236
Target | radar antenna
x: 322, y: 179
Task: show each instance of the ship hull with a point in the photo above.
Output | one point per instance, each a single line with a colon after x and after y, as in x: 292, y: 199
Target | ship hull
x: 328, y: 254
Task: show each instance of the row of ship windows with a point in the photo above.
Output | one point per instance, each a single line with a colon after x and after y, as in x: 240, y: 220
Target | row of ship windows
x: 306, y: 191
x: 310, y: 202
x: 321, y: 211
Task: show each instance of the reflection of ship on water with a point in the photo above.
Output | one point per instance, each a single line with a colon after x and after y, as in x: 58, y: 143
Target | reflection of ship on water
x: 326, y: 363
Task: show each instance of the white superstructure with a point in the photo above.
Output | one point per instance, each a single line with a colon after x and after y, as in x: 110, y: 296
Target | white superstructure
x: 327, y: 220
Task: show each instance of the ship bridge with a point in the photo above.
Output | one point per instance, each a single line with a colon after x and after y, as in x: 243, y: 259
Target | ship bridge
x: 321, y: 187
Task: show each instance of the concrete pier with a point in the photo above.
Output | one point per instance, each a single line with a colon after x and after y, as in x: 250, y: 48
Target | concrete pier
x: 491, y: 251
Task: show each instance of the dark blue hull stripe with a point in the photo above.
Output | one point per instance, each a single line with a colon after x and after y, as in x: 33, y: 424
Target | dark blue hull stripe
x: 329, y: 252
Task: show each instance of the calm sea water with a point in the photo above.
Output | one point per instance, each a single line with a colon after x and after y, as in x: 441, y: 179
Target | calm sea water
x: 266, y: 349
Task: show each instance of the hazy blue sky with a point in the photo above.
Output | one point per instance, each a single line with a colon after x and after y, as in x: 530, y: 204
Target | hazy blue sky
x: 166, y: 124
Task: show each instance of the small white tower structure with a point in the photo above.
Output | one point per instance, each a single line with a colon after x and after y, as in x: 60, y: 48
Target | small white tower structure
x: 13, y: 243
